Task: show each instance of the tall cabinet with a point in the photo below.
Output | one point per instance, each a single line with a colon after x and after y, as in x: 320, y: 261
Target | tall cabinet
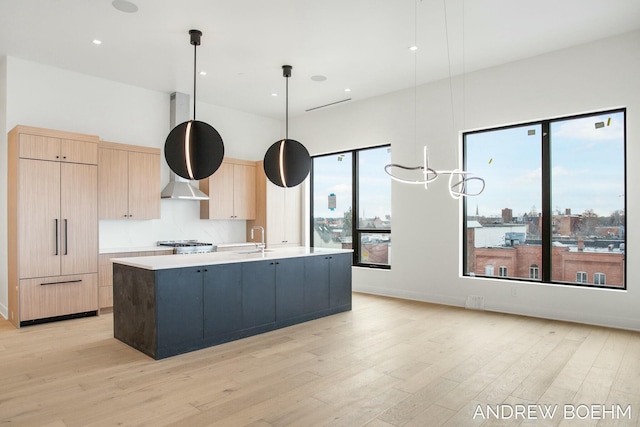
x: 52, y: 215
x: 278, y: 210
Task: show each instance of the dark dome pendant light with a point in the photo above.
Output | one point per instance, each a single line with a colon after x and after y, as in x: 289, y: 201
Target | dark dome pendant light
x: 194, y: 150
x: 287, y: 162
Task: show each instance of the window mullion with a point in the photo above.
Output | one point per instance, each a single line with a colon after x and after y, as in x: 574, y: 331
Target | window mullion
x: 547, y: 216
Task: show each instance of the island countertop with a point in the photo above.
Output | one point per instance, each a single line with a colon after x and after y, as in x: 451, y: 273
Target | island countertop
x: 163, y: 262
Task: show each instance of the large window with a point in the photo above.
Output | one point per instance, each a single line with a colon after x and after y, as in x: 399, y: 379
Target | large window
x: 554, y: 203
x: 347, y: 182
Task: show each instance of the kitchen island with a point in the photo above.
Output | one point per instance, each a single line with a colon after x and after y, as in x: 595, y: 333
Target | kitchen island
x: 171, y: 304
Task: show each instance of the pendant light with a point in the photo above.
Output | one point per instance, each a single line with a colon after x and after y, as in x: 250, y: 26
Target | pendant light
x: 287, y: 162
x: 194, y: 150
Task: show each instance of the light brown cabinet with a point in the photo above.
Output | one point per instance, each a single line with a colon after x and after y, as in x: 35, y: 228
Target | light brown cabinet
x: 231, y: 190
x: 52, y: 223
x: 129, y: 181
x: 105, y: 274
x: 279, y: 211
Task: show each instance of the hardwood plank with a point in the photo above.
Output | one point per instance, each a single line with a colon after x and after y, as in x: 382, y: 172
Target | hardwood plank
x: 386, y: 363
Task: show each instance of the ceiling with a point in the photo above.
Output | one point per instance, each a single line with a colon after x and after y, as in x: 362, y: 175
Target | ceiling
x: 360, y: 45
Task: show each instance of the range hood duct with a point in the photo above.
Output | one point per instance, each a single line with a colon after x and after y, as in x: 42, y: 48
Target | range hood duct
x: 178, y: 187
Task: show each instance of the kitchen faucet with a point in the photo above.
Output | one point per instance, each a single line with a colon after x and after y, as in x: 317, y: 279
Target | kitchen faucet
x: 261, y: 229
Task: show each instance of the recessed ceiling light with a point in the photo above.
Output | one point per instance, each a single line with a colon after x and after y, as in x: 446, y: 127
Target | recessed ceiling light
x: 203, y: 73
x: 413, y: 48
x: 124, y: 6
x: 96, y: 41
x: 318, y: 78
x: 274, y: 94
x: 347, y: 90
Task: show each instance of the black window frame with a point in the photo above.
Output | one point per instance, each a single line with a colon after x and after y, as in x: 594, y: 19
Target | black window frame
x: 545, y: 268
x: 355, y: 223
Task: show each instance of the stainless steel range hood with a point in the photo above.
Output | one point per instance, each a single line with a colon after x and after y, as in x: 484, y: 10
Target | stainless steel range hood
x: 178, y: 187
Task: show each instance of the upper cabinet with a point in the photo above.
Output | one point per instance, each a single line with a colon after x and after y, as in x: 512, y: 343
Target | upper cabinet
x: 279, y: 211
x: 231, y: 190
x: 38, y: 144
x: 129, y: 181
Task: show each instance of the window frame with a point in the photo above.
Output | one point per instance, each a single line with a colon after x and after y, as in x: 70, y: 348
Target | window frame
x: 582, y: 277
x: 599, y: 279
x: 503, y: 271
x: 547, y: 218
x: 356, y: 231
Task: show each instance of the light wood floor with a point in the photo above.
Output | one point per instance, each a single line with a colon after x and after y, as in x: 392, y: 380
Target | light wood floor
x: 387, y: 363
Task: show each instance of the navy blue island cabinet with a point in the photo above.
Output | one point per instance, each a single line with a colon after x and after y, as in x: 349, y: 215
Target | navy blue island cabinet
x: 168, y: 311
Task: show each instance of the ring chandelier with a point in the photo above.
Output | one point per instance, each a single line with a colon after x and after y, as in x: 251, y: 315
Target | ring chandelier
x: 458, y: 179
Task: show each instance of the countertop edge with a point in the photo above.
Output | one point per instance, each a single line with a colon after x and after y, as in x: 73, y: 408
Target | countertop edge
x: 165, y: 262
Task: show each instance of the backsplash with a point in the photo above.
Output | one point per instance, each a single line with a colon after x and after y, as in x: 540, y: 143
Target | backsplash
x: 180, y: 220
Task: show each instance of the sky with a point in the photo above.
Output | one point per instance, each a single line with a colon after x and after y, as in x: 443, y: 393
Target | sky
x: 587, y: 167
x: 332, y: 175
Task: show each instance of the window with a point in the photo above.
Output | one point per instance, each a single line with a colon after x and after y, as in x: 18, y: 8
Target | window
x: 581, y: 277
x: 599, y: 279
x: 347, y: 182
x: 534, y: 272
x: 488, y: 270
x: 555, y: 199
x: 502, y: 271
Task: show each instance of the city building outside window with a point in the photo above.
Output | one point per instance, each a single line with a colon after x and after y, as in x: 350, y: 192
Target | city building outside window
x: 555, y: 198
x: 502, y: 271
x: 488, y: 270
x: 599, y: 279
x: 347, y: 182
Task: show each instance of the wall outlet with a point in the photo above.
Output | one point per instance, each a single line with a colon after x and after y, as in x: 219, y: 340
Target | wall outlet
x: 474, y: 302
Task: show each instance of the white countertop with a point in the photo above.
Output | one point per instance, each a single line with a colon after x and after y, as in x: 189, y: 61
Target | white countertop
x: 167, y: 248
x: 163, y: 262
x: 134, y: 249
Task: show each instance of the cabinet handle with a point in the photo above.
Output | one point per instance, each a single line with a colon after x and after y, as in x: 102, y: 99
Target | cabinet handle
x: 55, y: 231
x: 205, y: 270
x: 58, y: 283
x: 66, y: 241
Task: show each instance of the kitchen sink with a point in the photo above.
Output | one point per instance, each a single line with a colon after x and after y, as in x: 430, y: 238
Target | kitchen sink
x: 254, y: 251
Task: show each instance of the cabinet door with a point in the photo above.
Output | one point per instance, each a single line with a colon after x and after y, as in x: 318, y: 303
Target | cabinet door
x: 222, y: 299
x: 39, y: 147
x: 113, y: 184
x: 38, y: 218
x: 283, y: 215
x: 79, y: 218
x: 340, y: 280
x: 290, y: 287
x: 220, y: 191
x: 258, y: 293
x: 144, y: 185
x: 316, y: 283
x: 179, y: 306
x: 244, y: 191
x: 78, y: 152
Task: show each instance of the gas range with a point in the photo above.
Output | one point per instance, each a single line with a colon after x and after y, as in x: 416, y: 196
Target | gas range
x: 189, y: 246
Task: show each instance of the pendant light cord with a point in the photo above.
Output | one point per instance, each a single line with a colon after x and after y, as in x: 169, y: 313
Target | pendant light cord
x: 286, y: 133
x: 195, y: 49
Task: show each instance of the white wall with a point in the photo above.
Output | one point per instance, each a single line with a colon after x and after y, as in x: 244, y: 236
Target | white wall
x: 48, y: 97
x: 426, y: 224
